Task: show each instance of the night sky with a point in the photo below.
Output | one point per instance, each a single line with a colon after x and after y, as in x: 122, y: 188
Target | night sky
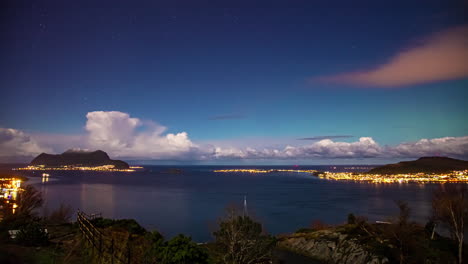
x: 281, y: 82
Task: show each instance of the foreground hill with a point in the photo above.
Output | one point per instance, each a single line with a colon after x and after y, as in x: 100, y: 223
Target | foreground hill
x: 78, y: 158
x: 424, y: 164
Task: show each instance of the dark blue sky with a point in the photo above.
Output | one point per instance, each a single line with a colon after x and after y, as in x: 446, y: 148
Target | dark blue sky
x: 225, y: 70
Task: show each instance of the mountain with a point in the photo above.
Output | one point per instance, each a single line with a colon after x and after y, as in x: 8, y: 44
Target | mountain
x: 424, y: 164
x: 78, y: 158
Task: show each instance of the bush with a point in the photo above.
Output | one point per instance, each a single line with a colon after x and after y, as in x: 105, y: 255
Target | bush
x: 62, y: 215
x: 319, y: 225
x: 304, y: 230
x: 155, y: 250
x: 32, y: 234
x: 178, y: 250
x: 182, y: 250
x: 351, y: 219
x: 129, y: 225
x: 242, y: 240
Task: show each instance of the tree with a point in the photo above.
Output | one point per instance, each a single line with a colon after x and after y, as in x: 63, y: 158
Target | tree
x: 242, y: 240
x: 29, y: 201
x: 182, y: 250
x: 402, y: 232
x: 351, y: 219
x: 450, y: 208
x: 156, y: 246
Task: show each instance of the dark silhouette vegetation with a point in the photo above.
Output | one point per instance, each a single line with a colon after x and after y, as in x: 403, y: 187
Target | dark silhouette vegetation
x: 424, y: 165
x: 238, y: 238
x: 78, y: 158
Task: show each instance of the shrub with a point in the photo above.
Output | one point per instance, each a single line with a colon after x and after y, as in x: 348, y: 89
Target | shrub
x: 304, y: 230
x: 319, y: 225
x: 62, y: 215
x: 156, y: 247
x: 242, y: 240
x: 351, y: 219
x: 182, y: 250
x: 129, y: 225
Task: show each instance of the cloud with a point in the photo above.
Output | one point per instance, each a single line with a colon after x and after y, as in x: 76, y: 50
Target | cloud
x: 16, y: 144
x: 439, y: 57
x: 446, y: 146
x: 227, y: 117
x: 365, y: 147
x: 125, y: 136
x: 325, y: 137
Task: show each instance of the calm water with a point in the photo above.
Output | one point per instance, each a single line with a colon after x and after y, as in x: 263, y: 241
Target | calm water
x: 191, y: 202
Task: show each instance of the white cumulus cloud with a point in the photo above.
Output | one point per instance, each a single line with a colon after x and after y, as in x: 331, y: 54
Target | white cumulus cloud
x: 446, y: 146
x: 125, y: 136
x: 326, y: 148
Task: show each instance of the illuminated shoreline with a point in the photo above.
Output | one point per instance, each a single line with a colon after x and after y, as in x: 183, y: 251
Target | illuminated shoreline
x: 76, y: 168
x: 264, y: 171
x: 455, y: 176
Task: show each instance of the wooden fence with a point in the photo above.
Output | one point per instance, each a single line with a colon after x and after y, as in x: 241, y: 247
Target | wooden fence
x: 102, y: 246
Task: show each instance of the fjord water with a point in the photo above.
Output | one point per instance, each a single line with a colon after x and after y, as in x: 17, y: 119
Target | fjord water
x: 192, y: 201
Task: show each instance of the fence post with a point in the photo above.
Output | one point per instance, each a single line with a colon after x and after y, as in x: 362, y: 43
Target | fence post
x: 129, y: 251
x: 112, y: 251
x: 101, y: 254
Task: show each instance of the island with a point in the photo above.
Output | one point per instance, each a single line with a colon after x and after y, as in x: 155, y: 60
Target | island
x: 77, y: 160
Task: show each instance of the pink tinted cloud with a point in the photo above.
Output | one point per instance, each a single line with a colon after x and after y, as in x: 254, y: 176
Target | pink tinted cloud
x: 439, y: 57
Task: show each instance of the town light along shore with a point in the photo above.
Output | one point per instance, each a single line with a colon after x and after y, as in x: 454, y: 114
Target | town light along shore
x: 77, y: 168
x: 454, y: 176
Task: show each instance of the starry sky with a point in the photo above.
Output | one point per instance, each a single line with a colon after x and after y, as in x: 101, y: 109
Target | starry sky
x: 250, y: 81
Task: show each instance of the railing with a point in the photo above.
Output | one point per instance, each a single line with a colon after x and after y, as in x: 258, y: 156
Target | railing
x: 102, y: 245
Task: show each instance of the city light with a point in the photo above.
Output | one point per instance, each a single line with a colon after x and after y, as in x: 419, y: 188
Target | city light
x: 9, y: 190
x: 455, y: 176
x: 264, y: 171
x: 75, y: 168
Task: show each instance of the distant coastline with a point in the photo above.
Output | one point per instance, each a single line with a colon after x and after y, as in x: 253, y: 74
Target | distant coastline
x: 77, y: 160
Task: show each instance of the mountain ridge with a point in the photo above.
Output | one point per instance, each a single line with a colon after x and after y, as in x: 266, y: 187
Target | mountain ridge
x: 423, y: 165
x: 78, y: 158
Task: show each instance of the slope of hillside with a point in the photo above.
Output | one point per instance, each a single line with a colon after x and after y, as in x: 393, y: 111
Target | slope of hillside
x: 424, y: 164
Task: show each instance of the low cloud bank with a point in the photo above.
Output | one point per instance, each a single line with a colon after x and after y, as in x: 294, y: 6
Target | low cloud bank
x: 126, y: 137
x: 365, y: 147
x: 16, y: 145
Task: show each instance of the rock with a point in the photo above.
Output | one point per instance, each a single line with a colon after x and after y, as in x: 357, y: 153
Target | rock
x: 331, y: 247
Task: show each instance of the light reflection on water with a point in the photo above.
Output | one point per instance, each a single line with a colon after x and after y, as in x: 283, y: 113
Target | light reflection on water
x: 191, y: 202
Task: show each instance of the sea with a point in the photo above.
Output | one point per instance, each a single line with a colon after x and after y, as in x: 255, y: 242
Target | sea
x: 192, y: 199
